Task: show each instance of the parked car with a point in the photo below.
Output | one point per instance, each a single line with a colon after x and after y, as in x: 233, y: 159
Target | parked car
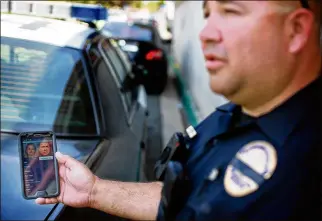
x: 67, y: 77
x: 144, y: 46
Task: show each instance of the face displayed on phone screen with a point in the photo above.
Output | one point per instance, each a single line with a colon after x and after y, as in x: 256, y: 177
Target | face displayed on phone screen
x: 38, y: 166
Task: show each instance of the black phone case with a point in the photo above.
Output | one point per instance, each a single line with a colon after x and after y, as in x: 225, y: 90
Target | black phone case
x: 22, y: 170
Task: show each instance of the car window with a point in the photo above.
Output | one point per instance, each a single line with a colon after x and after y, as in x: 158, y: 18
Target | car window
x: 118, y: 66
x: 123, y: 56
x: 5, y: 53
x: 115, y: 60
x: 44, y: 87
x: 125, y: 30
x: 101, y: 69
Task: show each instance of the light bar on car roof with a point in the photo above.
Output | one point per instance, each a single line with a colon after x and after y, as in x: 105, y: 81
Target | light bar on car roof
x: 88, y: 12
x: 60, y: 10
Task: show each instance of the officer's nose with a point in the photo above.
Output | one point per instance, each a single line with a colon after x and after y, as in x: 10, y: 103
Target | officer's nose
x: 210, y: 33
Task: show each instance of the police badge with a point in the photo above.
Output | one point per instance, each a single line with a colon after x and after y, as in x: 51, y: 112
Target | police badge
x: 253, y: 164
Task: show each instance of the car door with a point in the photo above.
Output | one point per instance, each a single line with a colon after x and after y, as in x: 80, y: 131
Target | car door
x: 138, y: 96
x: 122, y: 162
x: 116, y: 155
x: 135, y: 101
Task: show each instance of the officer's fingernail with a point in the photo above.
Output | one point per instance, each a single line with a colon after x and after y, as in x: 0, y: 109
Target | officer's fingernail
x: 58, y: 154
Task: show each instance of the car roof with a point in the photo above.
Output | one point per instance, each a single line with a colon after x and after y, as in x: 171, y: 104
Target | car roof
x: 45, y: 30
x: 132, y: 23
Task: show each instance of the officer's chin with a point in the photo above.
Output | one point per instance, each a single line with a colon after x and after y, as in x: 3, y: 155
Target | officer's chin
x: 221, y: 84
x: 216, y: 86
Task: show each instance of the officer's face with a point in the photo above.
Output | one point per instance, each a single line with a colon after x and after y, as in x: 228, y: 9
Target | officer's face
x: 246, y: 49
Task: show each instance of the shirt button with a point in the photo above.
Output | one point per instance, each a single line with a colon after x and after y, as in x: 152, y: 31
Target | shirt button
x: 213, y: 174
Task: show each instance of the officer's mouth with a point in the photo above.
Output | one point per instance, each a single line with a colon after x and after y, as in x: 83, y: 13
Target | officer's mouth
x: 213, y: 63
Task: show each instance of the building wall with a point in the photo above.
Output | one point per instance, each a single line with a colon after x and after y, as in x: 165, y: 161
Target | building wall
x: 188, y: 22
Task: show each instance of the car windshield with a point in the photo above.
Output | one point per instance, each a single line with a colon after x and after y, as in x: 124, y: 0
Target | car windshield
x: 129, y: 31
x: 43, y: 87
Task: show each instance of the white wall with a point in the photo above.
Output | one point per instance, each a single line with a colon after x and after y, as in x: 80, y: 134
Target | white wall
x: 188, y: 22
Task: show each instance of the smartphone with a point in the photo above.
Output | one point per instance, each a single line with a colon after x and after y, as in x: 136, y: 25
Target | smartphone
x: 39, y: 167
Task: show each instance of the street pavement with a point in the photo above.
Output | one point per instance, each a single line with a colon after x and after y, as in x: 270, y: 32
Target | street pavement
x: 164, y: 120
x: 170, y: 112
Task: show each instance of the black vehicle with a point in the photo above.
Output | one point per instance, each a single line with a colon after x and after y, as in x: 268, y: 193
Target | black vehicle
x: 73, y: 84
x: 142, y: 42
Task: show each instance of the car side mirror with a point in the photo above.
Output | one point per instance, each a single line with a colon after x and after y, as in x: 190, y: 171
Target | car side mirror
x: 134, y: 78
x: 128, y: 83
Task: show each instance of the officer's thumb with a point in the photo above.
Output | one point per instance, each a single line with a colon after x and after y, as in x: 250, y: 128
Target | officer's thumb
x: 60, y: 157
x: 66, y: 160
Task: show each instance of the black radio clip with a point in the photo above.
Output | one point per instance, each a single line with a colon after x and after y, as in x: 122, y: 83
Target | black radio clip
x: 177, y: 149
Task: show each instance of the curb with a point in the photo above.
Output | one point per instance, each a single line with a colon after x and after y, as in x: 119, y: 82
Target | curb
x: 188, y: 110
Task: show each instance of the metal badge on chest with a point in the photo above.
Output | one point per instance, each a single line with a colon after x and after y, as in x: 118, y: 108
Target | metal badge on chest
x: 252, y: 166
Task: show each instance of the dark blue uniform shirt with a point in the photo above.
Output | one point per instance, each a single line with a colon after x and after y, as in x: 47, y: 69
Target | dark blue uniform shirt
x: 265, y: 168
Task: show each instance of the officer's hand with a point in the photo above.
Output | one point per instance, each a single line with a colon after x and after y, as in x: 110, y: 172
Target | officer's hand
x: 76, y: 183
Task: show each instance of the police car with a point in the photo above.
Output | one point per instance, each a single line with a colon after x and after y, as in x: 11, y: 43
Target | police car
x: 68, y: 77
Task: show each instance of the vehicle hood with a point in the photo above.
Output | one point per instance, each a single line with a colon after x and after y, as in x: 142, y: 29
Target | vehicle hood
x: 13, y: 205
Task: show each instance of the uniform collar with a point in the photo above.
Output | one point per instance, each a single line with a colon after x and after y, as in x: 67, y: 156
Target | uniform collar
x: 279, y: 123
x: 229, y: 108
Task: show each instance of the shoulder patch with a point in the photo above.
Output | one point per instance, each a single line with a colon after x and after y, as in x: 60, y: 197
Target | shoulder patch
x: 253, y: 164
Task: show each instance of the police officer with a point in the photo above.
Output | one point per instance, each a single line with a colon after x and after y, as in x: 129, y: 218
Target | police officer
x: 255, y: 158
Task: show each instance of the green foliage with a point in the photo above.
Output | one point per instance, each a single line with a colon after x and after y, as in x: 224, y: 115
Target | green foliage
x: 154, y: 6
x: 120, y: 3
x: 109, y: 3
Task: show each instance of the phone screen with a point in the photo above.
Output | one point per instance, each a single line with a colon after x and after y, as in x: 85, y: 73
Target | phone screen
x: 39, y: 166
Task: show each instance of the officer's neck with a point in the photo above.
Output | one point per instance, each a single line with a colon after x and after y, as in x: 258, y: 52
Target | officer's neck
x: 301, y: 80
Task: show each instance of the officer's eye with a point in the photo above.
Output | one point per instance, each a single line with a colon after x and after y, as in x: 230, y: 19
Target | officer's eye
x: 230, y: 11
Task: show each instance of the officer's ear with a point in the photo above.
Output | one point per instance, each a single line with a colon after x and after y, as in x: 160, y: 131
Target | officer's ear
x: 299, y: 28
